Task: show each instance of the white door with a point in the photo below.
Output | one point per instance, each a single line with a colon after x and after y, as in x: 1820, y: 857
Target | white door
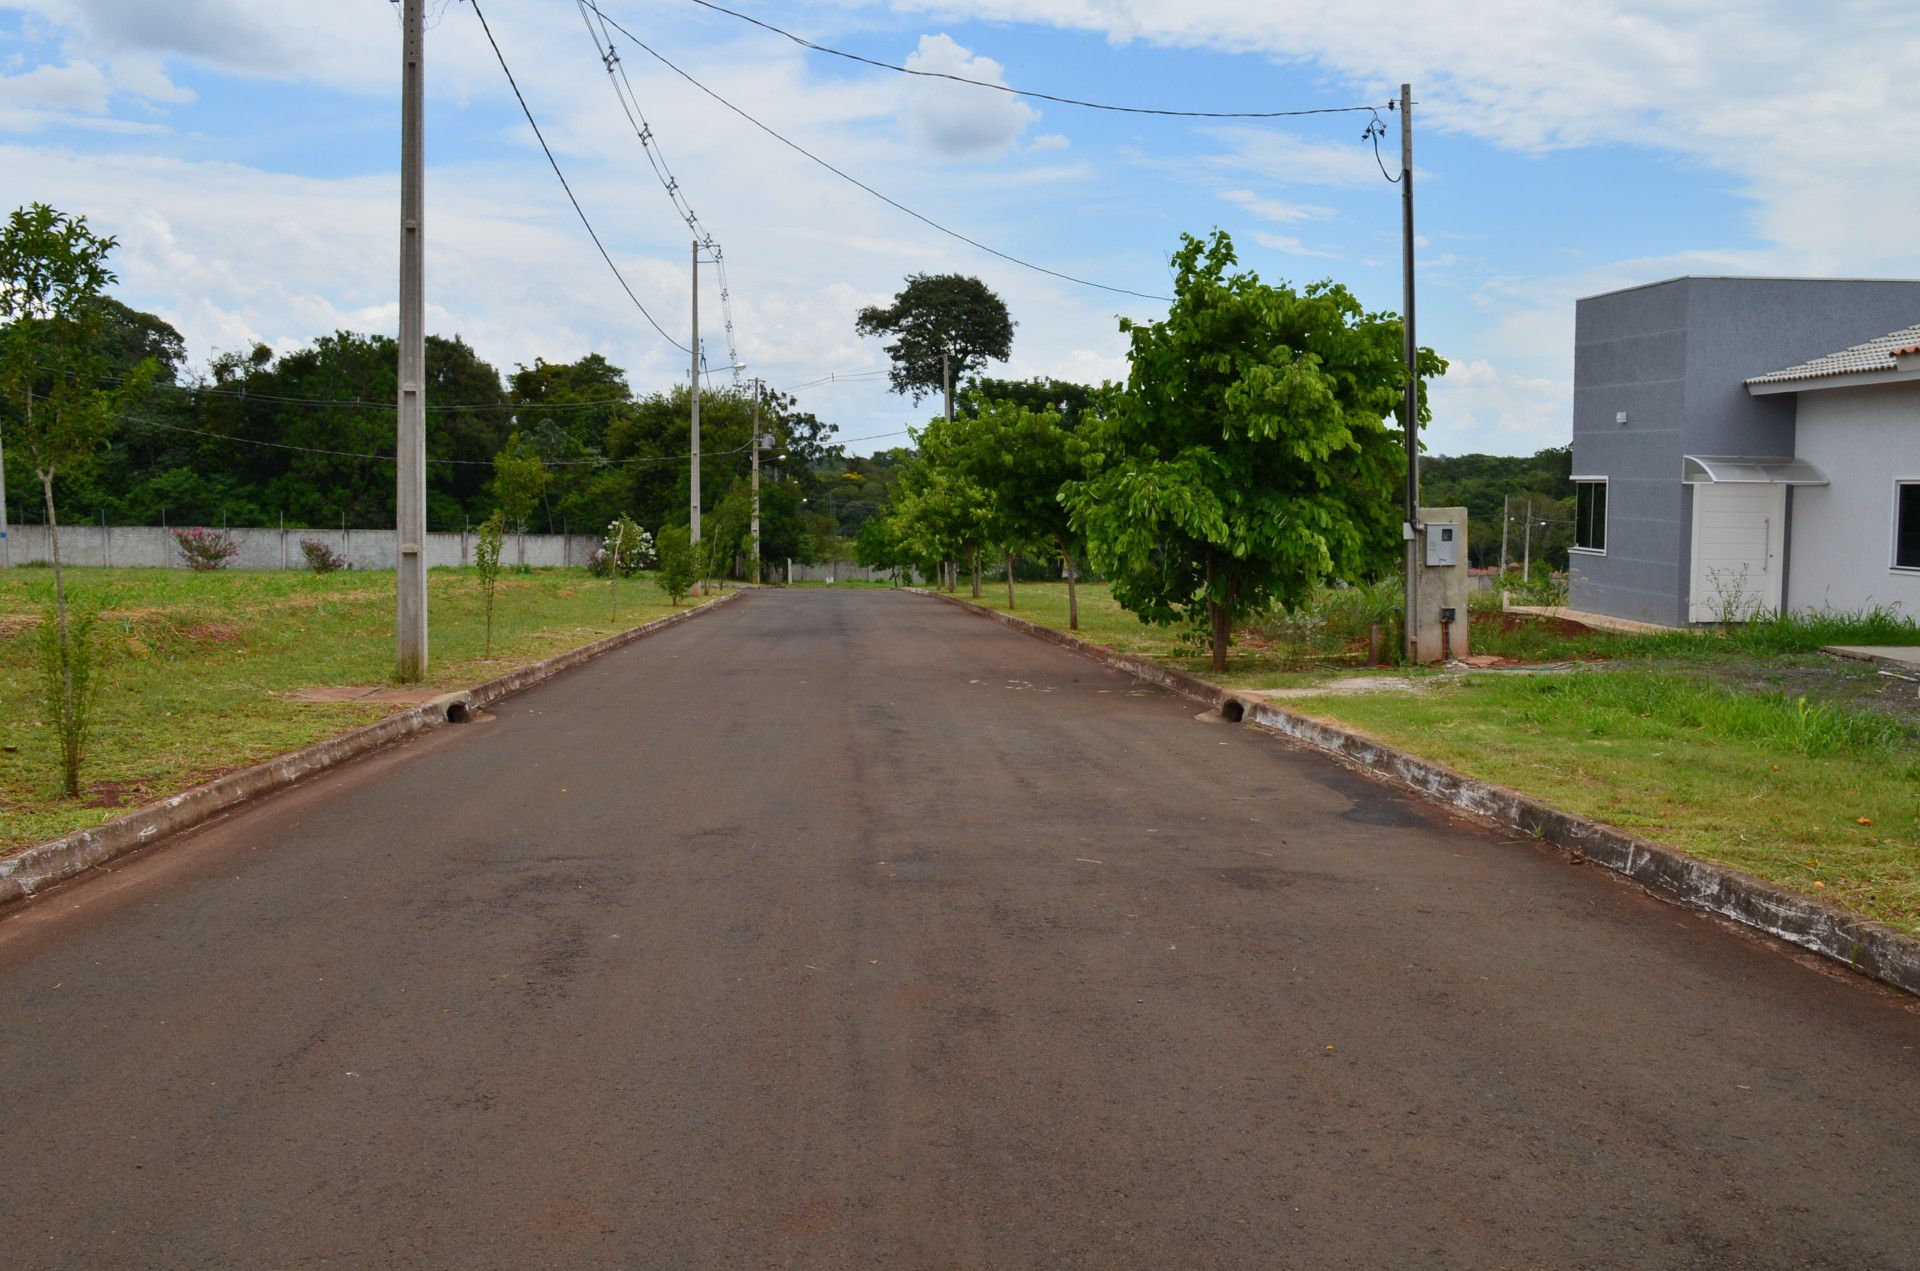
x: 1739, y: 539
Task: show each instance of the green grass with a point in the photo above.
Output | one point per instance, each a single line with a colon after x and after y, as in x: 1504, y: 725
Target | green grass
x: 193, y: 663
x: 1808, y: 794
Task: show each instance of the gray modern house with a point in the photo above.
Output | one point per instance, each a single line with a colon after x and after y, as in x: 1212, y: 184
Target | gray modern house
x: 1746, y: 444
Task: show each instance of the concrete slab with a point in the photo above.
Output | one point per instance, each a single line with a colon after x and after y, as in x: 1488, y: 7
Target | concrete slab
x: 1895, y: 657
x: 1598, y: 621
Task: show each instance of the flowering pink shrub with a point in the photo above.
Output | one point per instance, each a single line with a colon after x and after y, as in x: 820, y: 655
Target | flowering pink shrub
x: 205, y: 550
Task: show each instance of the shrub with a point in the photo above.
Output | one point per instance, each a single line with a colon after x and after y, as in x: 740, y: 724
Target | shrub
x: 206, y: 550
x: 486, y: 564
x: 676, y: 561
x: 321, y: 559
x: 626, y: 550
x: 68, y: 682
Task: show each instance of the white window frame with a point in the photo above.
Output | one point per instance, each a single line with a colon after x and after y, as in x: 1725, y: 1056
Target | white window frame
x: 1606, y: 521
x: 1893, y: 528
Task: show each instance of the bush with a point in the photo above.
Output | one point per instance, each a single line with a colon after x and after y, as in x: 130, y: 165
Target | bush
x: 206, y: 550
x: 486, y: 564
x: 626, y: 550
x: 69, y: 682
x: 676, y: 561
x: 321, y: 559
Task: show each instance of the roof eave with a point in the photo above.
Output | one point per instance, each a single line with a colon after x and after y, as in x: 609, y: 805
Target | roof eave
x: 1838, y: 379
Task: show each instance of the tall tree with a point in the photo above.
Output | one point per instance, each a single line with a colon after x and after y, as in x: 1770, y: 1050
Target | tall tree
x: 943, y: 328
x: 1251, y: 455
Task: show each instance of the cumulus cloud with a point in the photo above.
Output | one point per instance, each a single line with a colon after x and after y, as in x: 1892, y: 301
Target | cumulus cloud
x: 960, y: 120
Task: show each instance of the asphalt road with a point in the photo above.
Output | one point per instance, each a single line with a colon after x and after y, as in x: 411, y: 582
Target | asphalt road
x: 850, y: 929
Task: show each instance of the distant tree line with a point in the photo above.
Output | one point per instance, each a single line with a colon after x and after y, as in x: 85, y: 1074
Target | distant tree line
x: 262, y: 436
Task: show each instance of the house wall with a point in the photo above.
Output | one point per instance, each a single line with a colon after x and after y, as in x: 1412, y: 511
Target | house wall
x: 1841, y: 552
x: 1676, y: 356
x: 1630, y: 354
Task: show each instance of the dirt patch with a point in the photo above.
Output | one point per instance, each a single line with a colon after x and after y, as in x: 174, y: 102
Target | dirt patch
x: 215, y: 633
x: 1834, y: 682
x: 361, y: 693
x: 1511, y: 622
x: 11, y: 627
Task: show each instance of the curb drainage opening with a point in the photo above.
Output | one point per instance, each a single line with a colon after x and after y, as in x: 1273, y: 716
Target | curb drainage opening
x: 1233, y: 710
x: 456, y: 712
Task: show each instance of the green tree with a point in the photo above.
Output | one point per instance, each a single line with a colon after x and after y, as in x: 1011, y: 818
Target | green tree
x: 1023, y: 456
x: 519, y: 479
x: 675, y: 547
x: 486, y: 563
x: 1251, y: 455
x: 53, y: 276
x: 938, y: 316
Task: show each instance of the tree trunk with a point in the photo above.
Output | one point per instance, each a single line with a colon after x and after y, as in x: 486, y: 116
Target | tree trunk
x: 974, y: 560
x: 1073, y: 594
x: 1009, y: 581
x: 1219, y: 620
x: 69, y: 749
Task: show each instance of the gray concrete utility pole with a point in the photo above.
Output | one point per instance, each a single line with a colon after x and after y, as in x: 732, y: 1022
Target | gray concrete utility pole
x: 756, y: 479
x: 1411, y: 408
x: 410, y: 503
x: 693, y: 490
x: 946, y: 381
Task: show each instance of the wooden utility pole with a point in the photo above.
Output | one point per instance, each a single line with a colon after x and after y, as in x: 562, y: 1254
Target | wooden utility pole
x: 1410, y: 409
x: 410, y: 459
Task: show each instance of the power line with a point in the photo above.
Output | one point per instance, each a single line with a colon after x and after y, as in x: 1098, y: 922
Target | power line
x: 853, y: 180
x: 657, y: 160
x: 805, y: 43
x: 555, y: 164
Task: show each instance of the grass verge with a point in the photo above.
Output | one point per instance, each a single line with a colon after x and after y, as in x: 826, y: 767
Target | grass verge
x: 1648, y: 736
x: 194, y: 666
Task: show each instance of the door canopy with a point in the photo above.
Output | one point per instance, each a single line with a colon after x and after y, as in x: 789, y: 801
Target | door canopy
x: 1749, y: 470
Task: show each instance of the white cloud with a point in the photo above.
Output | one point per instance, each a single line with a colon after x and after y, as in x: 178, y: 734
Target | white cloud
x: 75, y: 87
x: 1048, y: 141
x: 1291, y: 245
x: 961, y: 120
x: 1274, y: 209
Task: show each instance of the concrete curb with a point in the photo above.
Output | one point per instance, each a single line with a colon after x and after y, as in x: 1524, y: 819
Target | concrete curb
x: 26, y: 872
x: 1866, y: 946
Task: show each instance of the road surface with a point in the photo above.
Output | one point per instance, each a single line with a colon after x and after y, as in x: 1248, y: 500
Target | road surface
x: 850, y: 929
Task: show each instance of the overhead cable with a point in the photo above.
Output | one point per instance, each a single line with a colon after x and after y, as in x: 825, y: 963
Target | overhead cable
x: 555, y: 164
x: 855, y: 181
x: 805, y: 43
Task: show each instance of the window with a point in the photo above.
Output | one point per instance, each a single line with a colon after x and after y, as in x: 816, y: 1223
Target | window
x: 1906, y: 524
x: 1590, y: 514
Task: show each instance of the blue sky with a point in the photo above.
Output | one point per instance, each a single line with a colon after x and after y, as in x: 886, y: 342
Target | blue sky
x: 245, y: 155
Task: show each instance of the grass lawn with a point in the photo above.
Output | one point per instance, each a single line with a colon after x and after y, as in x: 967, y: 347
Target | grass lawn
x: 193, y: 664
x: 1710, y: 743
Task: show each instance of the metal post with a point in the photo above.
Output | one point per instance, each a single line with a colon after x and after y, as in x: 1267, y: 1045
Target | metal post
x: 693, y: 492
x: 1526, y: 569
x: 946, y: 382
x: 1506, y: 518
x: 1410, y: 408
x: 756, y: 478
x: 410, y: 502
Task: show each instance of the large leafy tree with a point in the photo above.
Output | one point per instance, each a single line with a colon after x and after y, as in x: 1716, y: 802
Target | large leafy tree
x: 941, y: 327
x: 1252, y: 454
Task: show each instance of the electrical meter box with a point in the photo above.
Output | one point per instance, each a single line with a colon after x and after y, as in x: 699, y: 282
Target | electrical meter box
x: 1443, y: 544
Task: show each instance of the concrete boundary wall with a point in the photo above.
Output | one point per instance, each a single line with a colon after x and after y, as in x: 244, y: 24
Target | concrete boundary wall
x: 24, y: 873
x: 1860, y: 943
x: 152, y: 546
